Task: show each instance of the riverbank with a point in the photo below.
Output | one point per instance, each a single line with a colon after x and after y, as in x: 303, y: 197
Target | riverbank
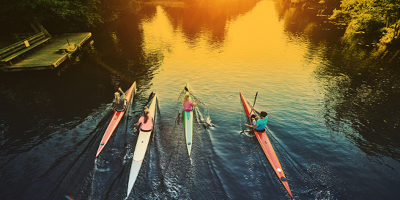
x: 165, y: 3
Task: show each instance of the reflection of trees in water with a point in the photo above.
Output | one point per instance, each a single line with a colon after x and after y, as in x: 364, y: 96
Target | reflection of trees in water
x: 304, y: 21
x: 361, y: 89
x: 118, y: 48
x: 362, y: 94
x: 209, y: 16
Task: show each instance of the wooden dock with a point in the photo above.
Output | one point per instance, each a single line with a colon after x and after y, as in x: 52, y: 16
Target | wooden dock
x: 52, y: 54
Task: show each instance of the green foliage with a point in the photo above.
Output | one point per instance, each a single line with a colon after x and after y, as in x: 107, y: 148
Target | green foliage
x: 376, y: 18
x: 81, y: 13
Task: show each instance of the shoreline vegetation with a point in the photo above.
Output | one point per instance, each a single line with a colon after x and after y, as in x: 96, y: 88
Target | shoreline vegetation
x: 373, y: 24
x: 370, y: 23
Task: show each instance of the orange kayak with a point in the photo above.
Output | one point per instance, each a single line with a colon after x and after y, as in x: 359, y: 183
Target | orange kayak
x: 267, y: 147
x: 116, y: 118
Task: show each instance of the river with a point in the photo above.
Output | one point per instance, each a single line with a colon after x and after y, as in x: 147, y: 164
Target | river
x: 333, y: 119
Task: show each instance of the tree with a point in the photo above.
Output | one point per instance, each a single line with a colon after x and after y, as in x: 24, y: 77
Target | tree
x: 378, y: 19
x: 82, y: 12
x: 72, y: 13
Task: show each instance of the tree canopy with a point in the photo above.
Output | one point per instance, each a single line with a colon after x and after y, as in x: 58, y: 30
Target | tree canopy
x: 87, y: 13
x: 377, y: 18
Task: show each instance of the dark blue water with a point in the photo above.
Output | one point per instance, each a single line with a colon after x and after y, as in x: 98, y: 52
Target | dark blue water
x: 333, y: 128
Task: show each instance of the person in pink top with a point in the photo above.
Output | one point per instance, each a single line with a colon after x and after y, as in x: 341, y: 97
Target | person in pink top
x: 187, y: 103
x: 146, y: 120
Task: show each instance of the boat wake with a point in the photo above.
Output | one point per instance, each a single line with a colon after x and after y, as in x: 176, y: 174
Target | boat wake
x: 203, y: 120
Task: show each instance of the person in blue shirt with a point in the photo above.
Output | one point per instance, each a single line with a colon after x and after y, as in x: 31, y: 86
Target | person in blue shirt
x: 259, y: 124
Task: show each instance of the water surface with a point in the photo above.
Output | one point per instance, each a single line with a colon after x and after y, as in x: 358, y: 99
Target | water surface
x: 334, y: 133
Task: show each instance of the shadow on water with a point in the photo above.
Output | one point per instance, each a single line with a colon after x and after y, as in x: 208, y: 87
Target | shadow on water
x: 62, y: 162
x: 118, y: 49
x: 51, y: 122
x: 361, y: 100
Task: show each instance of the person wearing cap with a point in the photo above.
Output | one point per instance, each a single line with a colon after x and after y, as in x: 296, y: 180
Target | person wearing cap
x: 119, y: 103
x: 260, y: 124
x: 146, y: 120
x: 187, y: 103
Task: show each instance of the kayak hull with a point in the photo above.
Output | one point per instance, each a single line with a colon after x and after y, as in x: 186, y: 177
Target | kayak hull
x: 267, y: 148
x: 116, y: 118
x: 188, y: 122
x: 140, y: 149
x: 134, y: 172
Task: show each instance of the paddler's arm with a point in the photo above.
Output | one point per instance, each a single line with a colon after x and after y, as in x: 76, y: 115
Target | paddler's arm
x: 195, y: 104
x: 122, y: 95
x: 122, y: 92
x: 251, y: 126
x: 137, y: 123
x: 256, y: 111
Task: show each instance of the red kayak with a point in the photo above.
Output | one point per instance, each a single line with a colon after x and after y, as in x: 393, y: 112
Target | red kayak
x: 267, y: 147
x: 115, y: 120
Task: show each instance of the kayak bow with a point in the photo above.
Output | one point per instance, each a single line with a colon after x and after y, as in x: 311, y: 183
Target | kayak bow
x: 267, y: 148
x: 140, y: 149
x: 116, y: 118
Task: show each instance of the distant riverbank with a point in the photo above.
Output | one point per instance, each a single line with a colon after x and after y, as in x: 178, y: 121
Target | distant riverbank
x: 166, y: 3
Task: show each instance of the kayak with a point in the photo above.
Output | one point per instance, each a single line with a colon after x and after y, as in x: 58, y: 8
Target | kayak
x: 140, y: 149
x: 267, y: 147
x: 188, y: 121
x: 116, y: 118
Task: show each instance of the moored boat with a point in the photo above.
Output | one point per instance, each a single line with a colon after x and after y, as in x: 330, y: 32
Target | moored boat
x: 267, y: 148
x: 116, y: 118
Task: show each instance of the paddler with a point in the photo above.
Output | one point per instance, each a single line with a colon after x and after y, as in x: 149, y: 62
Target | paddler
x: 187, y: 103
x: 146, y: 120
x: 260, y: 124
x: 119, y: 102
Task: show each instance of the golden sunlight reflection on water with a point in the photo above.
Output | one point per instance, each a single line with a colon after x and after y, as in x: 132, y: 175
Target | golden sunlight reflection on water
x: 253, y: 50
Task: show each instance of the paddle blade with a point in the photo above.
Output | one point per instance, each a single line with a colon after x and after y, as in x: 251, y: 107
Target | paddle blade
x: 255, y: 98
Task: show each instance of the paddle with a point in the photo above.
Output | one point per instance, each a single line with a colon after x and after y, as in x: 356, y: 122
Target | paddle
x: 127, y: 109
x: 150, y: 97
x: 194, y: 96
x: 255, y: 99
x: 180, y: 94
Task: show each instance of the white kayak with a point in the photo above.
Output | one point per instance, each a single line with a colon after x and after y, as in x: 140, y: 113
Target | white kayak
x: 188, y: 121
x: 140, y: 149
